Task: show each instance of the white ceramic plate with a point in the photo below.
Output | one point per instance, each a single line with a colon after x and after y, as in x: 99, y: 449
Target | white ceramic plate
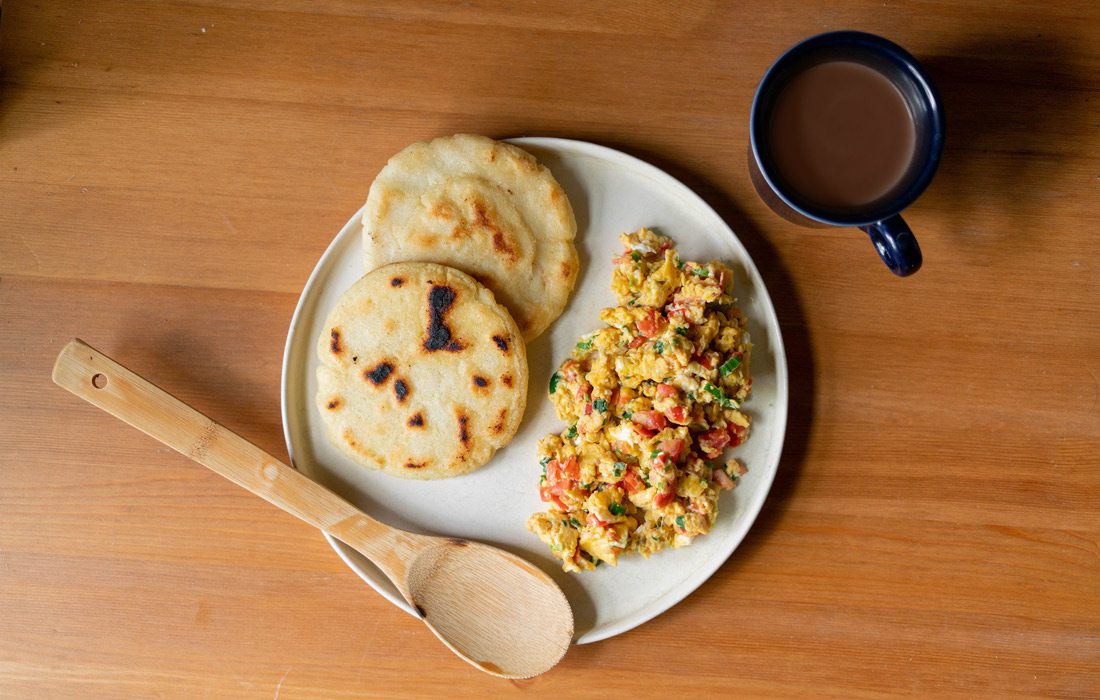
x: 611, y: 192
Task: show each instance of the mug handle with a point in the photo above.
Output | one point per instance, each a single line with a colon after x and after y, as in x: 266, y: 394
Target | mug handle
x: 896, y: 245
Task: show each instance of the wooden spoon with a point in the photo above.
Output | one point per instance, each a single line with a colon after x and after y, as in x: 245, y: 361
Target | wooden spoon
x: 495, y: 610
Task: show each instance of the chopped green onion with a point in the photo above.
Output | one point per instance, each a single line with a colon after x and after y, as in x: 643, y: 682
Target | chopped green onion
x: 616, y: 509
x: 554, y: 379
x: 600, y: 405
x: 681, y: 330
x: 627, y: 414
x: 636, y: 256
x: 700, y: 272
x: 680, y: 264
x: 659, y: 347
x: 543, y: 462
x: 572, y: 432
x: 619, y: 467
x: 680, y: 522
x: 597, y: 562
x: 719, y: 395
x: 644, y: 480
x: 729, y: 365
x: 584, y: 345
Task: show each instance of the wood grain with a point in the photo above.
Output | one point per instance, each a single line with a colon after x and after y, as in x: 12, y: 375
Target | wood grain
x: 497, y: 611
x: 165, y: 192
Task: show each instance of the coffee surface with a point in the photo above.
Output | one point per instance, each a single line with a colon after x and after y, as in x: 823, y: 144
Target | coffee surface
x: 841, y: 135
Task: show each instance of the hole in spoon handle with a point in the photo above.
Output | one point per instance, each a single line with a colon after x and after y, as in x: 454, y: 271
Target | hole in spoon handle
x: 101, y: 381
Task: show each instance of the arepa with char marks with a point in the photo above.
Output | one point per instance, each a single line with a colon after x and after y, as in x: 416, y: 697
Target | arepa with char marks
x: 485, y: 207
x: 422, y: 373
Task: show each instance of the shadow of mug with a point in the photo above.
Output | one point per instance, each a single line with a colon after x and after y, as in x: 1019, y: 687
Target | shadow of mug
x: 880, y: 217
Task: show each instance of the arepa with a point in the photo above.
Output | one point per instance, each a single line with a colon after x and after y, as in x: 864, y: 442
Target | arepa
x: 422, y: 374
x: 485, y: 207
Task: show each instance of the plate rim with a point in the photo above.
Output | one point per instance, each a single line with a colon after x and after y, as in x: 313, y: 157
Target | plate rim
x: 780, y: 415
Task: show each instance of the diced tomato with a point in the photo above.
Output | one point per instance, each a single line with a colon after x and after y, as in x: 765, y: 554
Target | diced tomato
x: 713, y: 442
x: 551, y: 494
x: 724, y: 479
x: 663, y: 498
x: 677, y: 310
x: 615, y: 396
x: 649, y: 324
x: 553, y: 472
x: 596, y: 522
x: 635, y: 342
x: 665, y: 246
x: 588, y: 409
x: 569, y: 370
x: 705, y: 361
x: 667, y: 391
x: 678, y: 415
x: 572, y: 469
x: 673, y: 447
x: 558, y: 474
x: 737, y: 434
x: 649, y: 422
x: 632, y: 482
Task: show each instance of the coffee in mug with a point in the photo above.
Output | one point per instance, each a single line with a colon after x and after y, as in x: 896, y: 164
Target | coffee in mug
x: 847, y: 130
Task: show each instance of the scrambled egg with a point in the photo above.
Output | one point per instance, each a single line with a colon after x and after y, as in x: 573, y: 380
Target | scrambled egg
x: 652, y: 401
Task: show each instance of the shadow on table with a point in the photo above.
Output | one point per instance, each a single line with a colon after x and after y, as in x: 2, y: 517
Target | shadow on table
x: 796, y: 341
x: 198, y: 376
x: 1005, y: 99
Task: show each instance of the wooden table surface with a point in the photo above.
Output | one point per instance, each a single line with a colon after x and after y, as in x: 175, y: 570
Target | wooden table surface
x: 170, y: 173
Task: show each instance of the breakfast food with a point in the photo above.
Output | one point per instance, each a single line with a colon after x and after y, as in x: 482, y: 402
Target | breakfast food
x: 652, y: 401
x: 422, y: 374
x: 484, y: 207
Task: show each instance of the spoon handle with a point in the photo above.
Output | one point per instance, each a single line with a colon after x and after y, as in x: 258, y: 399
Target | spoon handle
x: 101, y: 381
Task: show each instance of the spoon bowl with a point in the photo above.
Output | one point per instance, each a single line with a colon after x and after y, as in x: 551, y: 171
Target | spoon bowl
x: 493, y: 609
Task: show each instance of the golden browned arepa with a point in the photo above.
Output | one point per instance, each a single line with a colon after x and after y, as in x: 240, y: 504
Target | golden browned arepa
x: 485, y: 207
x: 422, y: 374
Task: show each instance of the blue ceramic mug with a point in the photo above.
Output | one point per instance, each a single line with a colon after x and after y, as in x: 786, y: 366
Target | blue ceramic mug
x: 879, y: 218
